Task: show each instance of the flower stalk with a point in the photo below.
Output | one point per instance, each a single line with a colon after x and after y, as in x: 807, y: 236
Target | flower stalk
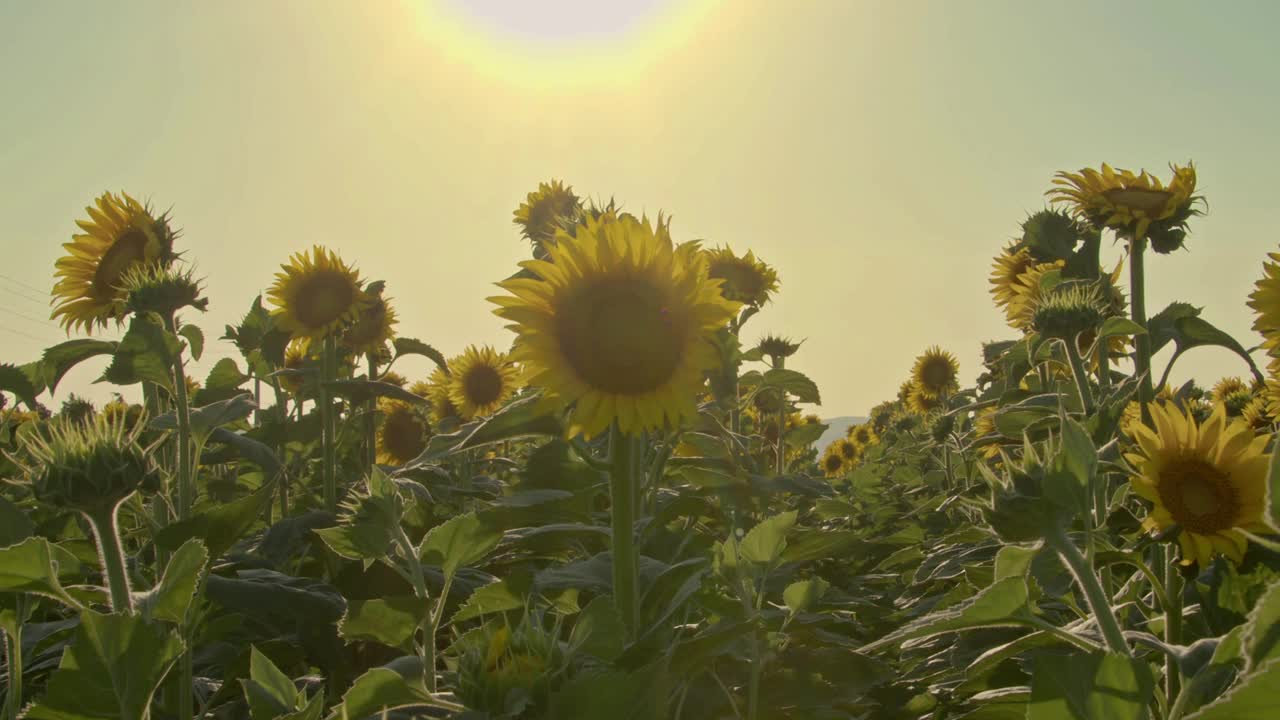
x: 106, y: 533
x: 182, y: 408
x: 1085, y: 578
x: 328, y: 477
x: 623, y: 479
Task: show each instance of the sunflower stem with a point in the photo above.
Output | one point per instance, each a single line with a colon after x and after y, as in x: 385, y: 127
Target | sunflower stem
x: 426, y: 648
x: 1172, y: 629
x: 1088, y: 582
x: 13, y: 654
x: 1138, y: 311
x: 329, y: 483
x: 107, y: 535
x: 1081, y: 377
x: 370, y: 426
x: 182, y: 408
x: 624, y: 452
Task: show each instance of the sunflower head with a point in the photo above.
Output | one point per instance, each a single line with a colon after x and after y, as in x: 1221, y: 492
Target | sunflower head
x: 1027, y: 291
x: 317, y: 294
x: 847, y: 449
x: 864, y: 435
x: 618, y: 323
x: 935, y: 373
x: 1207, y: 478
x: 550, y: 208
x: 374, y: 324
x: 923, y: 403
x: 811, y: 419
x: 1007, y: 267
x: 482, y: 380
x: 777, y: 349
x: 296, y: 357
x: 1235, y: 402
x: 1258, y: 415
x: 403, y: 434
x: 91, y: 465
x: 744, y: 279
x: 394, y: 378
x: 119, y: 411
x: 1132, y: 204
x: 1265, y: 303
x: 157, y: 288
x: 881, y: 416
x: 76, y: 409
x: 1069, y: 309
x: 833, y: 463
x: 1051, y: 235
x: 984, y: 425
x: 119, y: 234
x: 436, y: 390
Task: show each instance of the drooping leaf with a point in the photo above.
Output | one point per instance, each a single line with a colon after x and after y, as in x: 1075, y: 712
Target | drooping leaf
x: 1002, y: 604
x: 58, y: 360
x: 30, y: 567
x: 205, y: 419
x: 146, y: 353
x: 111, y: 669
x: 410, y: 346
x: 1252, y: 698
x: 195, y: 338
x: 1085, y: 687
x: 221, y: 526
x: 766, y: 541
x: 13, y: 380
x: 251, y: 450
x: 794, y: 382
x: 361, y: 391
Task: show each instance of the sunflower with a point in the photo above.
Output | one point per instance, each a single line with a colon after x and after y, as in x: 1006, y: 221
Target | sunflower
x: 905, y: 390
x: 778, y: 349
x: 833, y: 463
x: 119, y: 234
x: 374, y: 324
x: 482, y: 380
x: 1020, y: 312
x: 1227, y: 386
x: 1009, y: 265
x: 745, y: 279
x: 935, y: 373
x: 923, y: 403
x: 317, y: 294
x: 295, y: 358
x: 403, y: 434
x: 437, y: 391
x: 394, y: 378
x: 811, y: 419
x: 984, y: 426
x: 546, y: 210
x: 1209, y: 479
x: 864, y: 435
x: 847, y: 449
x: 1257, y: 414
x: 619, y: 323
x: 1127, y: 203
x: 1265, y: 301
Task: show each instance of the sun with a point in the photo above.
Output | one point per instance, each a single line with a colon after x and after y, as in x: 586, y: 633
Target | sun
x: 553, y: 43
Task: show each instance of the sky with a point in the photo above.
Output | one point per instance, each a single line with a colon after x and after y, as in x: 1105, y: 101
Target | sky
x: 877, y: 154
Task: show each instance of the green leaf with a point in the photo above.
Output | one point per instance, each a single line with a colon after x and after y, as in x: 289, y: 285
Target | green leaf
x: 391, y: 621
x: 370, y: 525
x: 599, y: 630
x: 251, y: 450
x: 195, y: 337
x: 458, y: 542
x: 1117, y: 325
x: 313, y: 710
x: 410, y: 346
x: 1273, y: 493
x: 792, y: 381
x: 492, y: 598
x: 1002, y: 604
x: 803, y: 595
x: 1070, y: 474
x: 1014, y: 561
x: 224, y: 381
x: 15, y: 526
x: 605, y: 694
x: 269, y: 692
x: 382, y: 689
x: 807, y: 545
x: 1161, y: 326
x: 15, y: 381
x: 205, y: 419
x: 171, y: 597
x: 146, y: 353
x: 1089, y: 687
x: 58, y: 360
x: 667, y: 593
x: 768, y: 539
x: 220, y: 526
x: 1261, y: 636
x: 1252, y: 698
x: 30, y: 567
x: 111, y: 669
x: 362, y: 391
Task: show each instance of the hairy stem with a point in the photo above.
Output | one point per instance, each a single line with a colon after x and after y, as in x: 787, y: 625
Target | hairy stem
x: 1081, y: 377
x: 1138, y: 311
x: 1088, y: 582
x: 182, y: 408
x: 623, y: 479
x: 107, y: 535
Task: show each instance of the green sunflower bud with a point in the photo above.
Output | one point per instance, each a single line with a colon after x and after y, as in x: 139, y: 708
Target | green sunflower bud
x: 88, y: 466
x: 163, y: 290
x: 1166, y: 239
x: 1069, y: 309
x: 505, y: 670
x: 942, y: 427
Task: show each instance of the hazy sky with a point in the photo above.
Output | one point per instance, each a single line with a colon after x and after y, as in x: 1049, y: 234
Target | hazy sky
x: 877, y: 154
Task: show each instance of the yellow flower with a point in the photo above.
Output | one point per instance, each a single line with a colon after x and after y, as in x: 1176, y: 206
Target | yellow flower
x: 619, y: 323
x: 373, y: 327
x: 984, y: 426
x: 295, y: 358
x: 437, y: 391
x: 1009, y: 265
x: 317, y: 294
x: 1257, y: 415
x: 403, y: 434
x: 864, y: 435
x: 120, y: 234
x: 1226, y: 387
x: 546, y: 210
x: 482, y: 380
x: 833, y: 463
x: 1265, y: 302
x: 1125, y: 202
x: 935, y: 373
x: 923, y: 403
x: 847, y: 449
x: 1021, y: 310
x: 745, y: 279
x: 1209, y: 480
x: 394, y: 378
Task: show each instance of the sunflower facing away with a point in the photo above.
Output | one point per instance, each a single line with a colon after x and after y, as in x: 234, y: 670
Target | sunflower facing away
x: 618, y: 323
x: 317, y: 294
x: 482, y: 380
x: 935, y: 373
x: 745, y: 279
x: 1209, y: 479
x: 403, y: 434
x: 1125, y: 202
x: 374, y: 325
x: 1009, y: 265
x: 1265, y: 302
x: 119, y: 234
x: 545, y: 210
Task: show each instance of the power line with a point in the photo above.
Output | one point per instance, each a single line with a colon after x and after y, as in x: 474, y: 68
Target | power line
x: 24, y: 296
x: 19, y: 282
x: 26, y: 335
x: 28, y: 318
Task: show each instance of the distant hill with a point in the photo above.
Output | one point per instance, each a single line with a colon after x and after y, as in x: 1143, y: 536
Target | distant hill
x: 836, y: 429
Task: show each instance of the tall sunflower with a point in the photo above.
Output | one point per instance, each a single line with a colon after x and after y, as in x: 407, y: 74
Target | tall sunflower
x: 1209, y: 479
x: 374, y: 324
x: 546, y: 210
x: 923, y: 403
x: 403, y: 433
x: 618, y: 323
x: 1008, y: 266
x: 317, y: 294
x: 1126, y: 202
x: 935, y: 373
x: 119, y: 234
x: 745, y: 279
x: 295, y: 358
x: 482, y: 380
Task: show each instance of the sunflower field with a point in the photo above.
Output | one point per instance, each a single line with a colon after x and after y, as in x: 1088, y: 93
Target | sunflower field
x: 624, y: 514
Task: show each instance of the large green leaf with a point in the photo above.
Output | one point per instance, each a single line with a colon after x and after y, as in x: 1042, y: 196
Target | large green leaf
x: 251, y: 450
x: 794, y: 382
x: 15, y: 526
x: 410, y: 346
x: 803, y: 595
x: 458, y: 542
x: 223, y: 381
x: 389, y: 620
x: 361, y: 391
x: 492, y: 598
x: 1252, y: 698
x: 599, y: 630
x: 14, y: 380
x: 205, y: 419
x: 766, y: 541
x: 220, y: 526
x: 58, y: 360
x: 381, y: 689
x: 172, y: 596
x: 269, y: 692
x: 1089, y: 687
x: 111, y: 669
x: 146, y: 353
x: 31, y: 567
x: 1002, y: 604
x: 195, y: 339
x: 1261, y: 635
